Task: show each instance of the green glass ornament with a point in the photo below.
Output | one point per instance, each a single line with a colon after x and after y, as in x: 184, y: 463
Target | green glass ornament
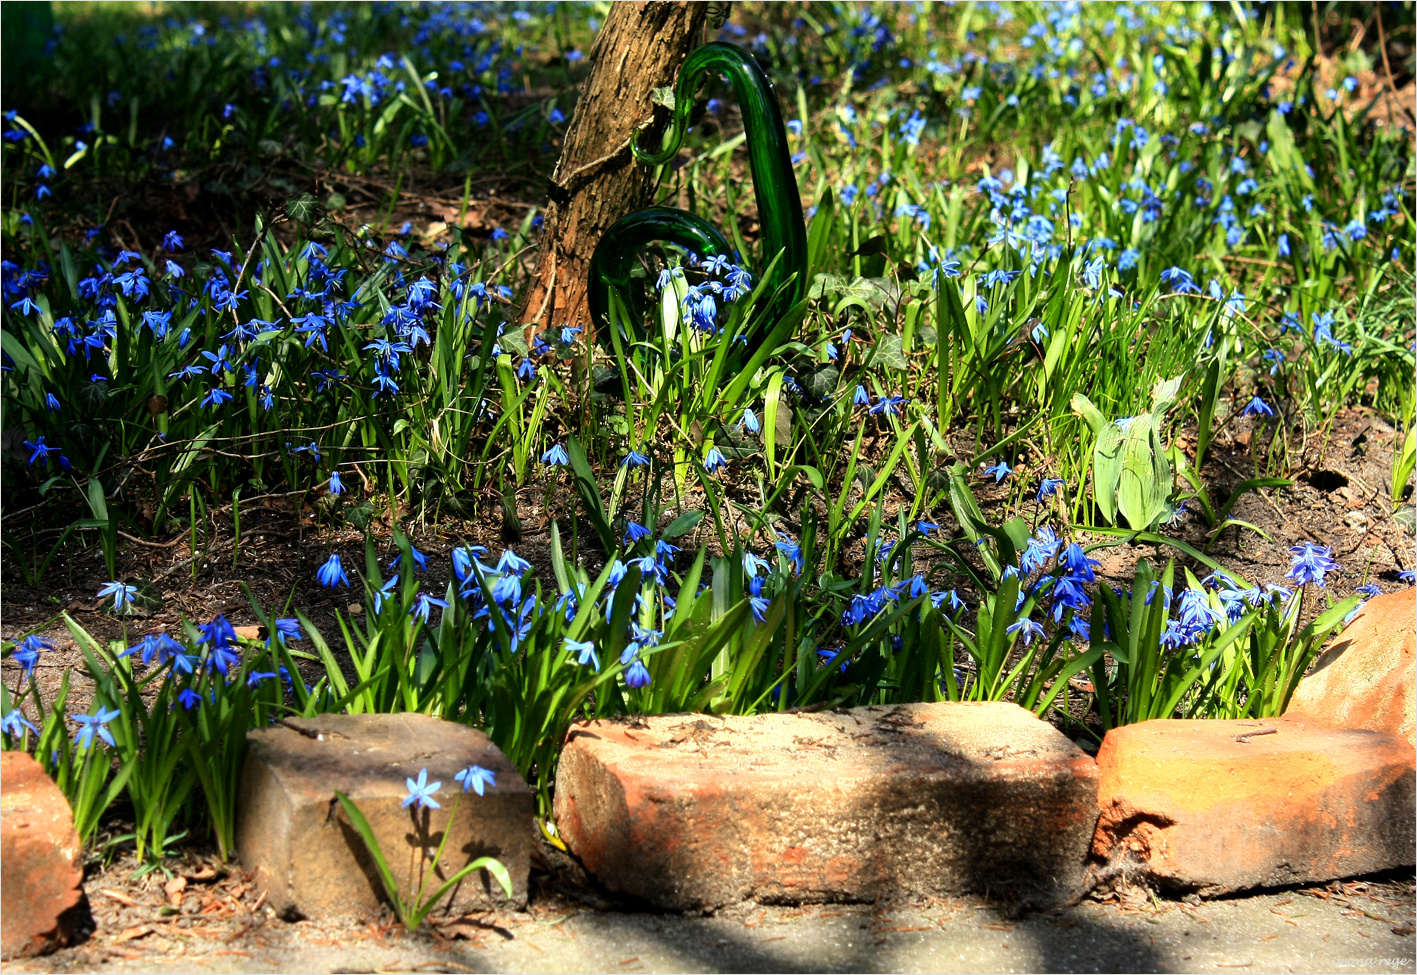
x: 774, y: 185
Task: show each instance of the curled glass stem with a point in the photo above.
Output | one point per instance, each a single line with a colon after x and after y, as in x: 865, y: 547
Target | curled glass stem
x: 774, y: 185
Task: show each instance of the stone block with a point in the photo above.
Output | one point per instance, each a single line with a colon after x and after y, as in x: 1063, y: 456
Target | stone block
x: 294, y: 836
x: 698, y: 811
x: 1368, y: 677
x: 42, y: 904
x: 1217, y: 807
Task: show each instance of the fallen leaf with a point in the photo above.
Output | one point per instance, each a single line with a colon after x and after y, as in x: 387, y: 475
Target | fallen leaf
x: 173, y: 889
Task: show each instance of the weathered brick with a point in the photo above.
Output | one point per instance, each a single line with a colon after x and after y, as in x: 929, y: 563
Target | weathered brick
x: 1224, y: 806
x: 1368, y: 677
x: 292, y: 833
x: 42, y: 904
x: 697, y: 811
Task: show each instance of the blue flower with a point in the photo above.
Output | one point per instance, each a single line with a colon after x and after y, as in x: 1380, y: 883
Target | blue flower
x: 423, y: 604
x: 860, y: 397
x: 635, y: 459
x: 97, y: 724
x: 637, y: 675
x: 1049, y: 487
x: 475, y: 778
x: 336, y: 485
x: 1370, y: 590
x: 39, y: 451
x: 585, y: 651
x: 189, y: 699
x: 1076, y: 563
x: 1027, y: 628
x: 1258, y: 407
x: 556, y: 456
x: 634, y: 532
x: 420, y: 561
x: 714, y: 460
x: 749, y: 421
x: 27, y: 651
x: 121, y: 593
x: 1039, y: 550
x: 14, y: 723
x: 421, y: 792
x: 157, y: 646
x: 172, y: 241
x: 331, y: 572
x: 383, y: 593
x: 1311, y: 563
x: 258, y: 677
x: 288, y: 629
x: 1000, y: 471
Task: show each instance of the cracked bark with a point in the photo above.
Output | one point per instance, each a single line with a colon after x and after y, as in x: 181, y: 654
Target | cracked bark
x: 597, y: 180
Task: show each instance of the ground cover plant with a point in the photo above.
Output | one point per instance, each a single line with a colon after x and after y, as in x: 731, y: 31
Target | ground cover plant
x: 1056, y: 255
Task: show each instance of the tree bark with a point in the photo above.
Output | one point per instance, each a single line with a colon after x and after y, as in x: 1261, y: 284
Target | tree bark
x: 597, y: 180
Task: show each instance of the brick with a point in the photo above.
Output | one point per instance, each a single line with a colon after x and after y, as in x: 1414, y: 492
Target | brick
x: 1368, y: 677
x: 294, y: 836
x: 42, y: 903
x: 1217, y: 807
x: 698, y: 811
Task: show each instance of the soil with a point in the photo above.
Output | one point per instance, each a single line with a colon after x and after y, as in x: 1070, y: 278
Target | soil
x: 201, y: 914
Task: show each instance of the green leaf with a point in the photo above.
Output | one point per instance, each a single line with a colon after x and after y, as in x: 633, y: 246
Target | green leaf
x: 589, y: 492
x: 889, y: 352
x: 682, y: 525
x: 366, y: 833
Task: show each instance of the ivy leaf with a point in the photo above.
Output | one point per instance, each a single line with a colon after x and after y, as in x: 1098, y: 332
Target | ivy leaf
x: 889, y: 352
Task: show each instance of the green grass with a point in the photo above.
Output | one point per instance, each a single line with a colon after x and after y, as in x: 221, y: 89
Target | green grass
x: 1042, y: 237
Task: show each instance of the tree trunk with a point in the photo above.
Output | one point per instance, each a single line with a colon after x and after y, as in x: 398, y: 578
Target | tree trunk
x: 597, y: 180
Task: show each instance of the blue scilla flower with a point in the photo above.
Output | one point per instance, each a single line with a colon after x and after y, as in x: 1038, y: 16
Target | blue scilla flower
x: 154, y: 646
x: 1076, y: 564
x: 634, y: 532
x: 1311, y: 563
x: 749, y: 421
x: 14, y: 724
x: 714, y: 460
x: 1000, y: 471
x: 1258, y: 407
x: 556, y: 456
x: 420, y: 792
x: 637, y: 674
x: 1039, y: 550
x: 122, y: 594
x: 287, y: 629
x: 1370, y: 590
x: 1048, y: 487
x: 475, y: 778
x: 634, y: 459
x: 423, y: 604
x: 332, y: 572
x: 1027, y: 629
x: 583, y: 649
x: 27, y: 651
x: 420, y: 561
x: 96, y: 724
x: 382, y: 593
x: 39, y: 451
